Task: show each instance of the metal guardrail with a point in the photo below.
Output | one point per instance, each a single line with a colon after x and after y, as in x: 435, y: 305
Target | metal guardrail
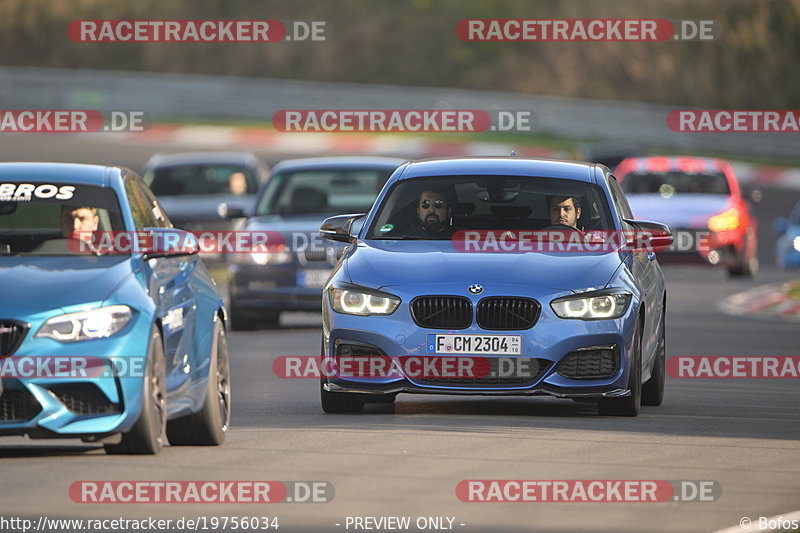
x: 188, y: 96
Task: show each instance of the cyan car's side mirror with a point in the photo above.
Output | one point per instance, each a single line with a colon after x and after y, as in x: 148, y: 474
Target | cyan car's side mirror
x: 168, y: 242
x: 339, y: 228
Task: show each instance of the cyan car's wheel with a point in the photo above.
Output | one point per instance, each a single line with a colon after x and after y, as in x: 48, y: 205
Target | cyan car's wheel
x: 653, y: 390
x: 630, y: 405
x: 147, y: 435
x: 208, y: 426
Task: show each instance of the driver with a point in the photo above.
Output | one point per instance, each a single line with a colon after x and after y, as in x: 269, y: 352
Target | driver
x: 78, y: 221
x: 433, y: 212
x: 564, y: 210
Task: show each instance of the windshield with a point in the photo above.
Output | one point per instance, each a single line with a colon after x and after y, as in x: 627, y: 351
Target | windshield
x: 670, y: 183
x: 202, y: 179
x: 35, y: 222
x: 436, y: 208
x: 322, y: 191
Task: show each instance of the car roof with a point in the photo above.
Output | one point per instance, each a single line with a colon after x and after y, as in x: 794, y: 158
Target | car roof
x: 672, y: 163
x: 59, y: 172
x: 194, y: 158
x: 338, y: 162
x: 501, y: 166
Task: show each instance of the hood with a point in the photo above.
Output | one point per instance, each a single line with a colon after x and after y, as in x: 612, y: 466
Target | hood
x: 393, y: 263
x: 34, y: 284
x: 679, y: 211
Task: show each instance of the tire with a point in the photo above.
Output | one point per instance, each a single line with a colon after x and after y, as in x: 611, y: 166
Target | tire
x: 340, y: 402
x: 747, y: 268
x: 146, y: 437
x: 653, y: 390
x: 209, y: 425
x: 380, y: 398
x: 629, y: 405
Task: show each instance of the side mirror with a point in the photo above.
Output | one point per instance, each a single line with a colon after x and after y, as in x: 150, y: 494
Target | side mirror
x: 649, y: 236
x: 231, y: 211
x: 339, y: 228
x: 169, y: 242
x: 780, y: 225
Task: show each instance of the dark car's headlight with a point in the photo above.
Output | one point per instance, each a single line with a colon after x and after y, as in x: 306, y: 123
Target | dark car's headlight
x: 592, y: 306
x: 362, y: 302
x: 84, y: 325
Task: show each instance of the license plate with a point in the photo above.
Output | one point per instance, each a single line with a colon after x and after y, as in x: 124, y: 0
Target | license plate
x: 475, y: 344
x: 312, y: 278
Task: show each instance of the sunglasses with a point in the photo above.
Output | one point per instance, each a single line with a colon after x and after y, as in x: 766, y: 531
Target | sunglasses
x: 438, y: 204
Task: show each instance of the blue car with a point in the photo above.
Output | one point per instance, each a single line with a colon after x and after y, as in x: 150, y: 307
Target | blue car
x: 298, y: 196
x: 787, y: 249
x: 148, y: 322
x: 584, y: 325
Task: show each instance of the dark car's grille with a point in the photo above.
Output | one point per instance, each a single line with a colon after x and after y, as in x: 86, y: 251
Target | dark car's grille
x: 593, y: 363
x: 18, y: 405
x: 11, y: 335
x: 442, y: 312
x: 513, y: 372
x: 84, y: 399
x: 507, y: 313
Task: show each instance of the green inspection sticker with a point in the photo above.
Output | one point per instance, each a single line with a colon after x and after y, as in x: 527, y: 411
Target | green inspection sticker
x: 386, y: 227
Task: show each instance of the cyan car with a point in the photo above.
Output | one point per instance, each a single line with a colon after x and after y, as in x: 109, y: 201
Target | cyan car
x: 588, y: 325
x: 147, y: 320
x: 787, y: 249
x: 299, y: 195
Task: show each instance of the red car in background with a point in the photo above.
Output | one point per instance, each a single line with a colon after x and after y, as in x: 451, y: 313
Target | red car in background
x: 702, y: 202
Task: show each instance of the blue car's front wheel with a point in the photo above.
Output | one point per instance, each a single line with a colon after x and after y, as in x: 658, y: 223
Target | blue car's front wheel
x: 147, y: 435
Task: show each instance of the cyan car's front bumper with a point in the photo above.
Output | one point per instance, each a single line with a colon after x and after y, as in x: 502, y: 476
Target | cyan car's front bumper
x: 99, y: 404
x: 550, y: 340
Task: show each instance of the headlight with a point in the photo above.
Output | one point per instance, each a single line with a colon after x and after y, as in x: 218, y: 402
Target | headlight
x: 353, y: 301
x: 725, y: 221
x: 279, y: 255
x: 596, y: 307
x: 796, y: 243
x: 85, y: 325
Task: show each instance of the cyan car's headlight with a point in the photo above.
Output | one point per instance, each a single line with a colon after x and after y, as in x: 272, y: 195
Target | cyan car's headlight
x: 593, y: 306
x: 85, y: 325
x: 362, y: 302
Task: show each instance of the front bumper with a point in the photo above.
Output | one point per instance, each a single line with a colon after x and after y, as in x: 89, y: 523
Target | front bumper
x: 102, y: 403
x: 548, y: 342
x: 274, y: 288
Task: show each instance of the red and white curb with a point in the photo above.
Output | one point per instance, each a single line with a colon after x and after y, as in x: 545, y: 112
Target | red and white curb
x: 226, y: 137
x: 768, y: 301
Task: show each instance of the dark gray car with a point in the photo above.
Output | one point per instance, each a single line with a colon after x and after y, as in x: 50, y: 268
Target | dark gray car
x: 299, y: 195
x: 191, y: 186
